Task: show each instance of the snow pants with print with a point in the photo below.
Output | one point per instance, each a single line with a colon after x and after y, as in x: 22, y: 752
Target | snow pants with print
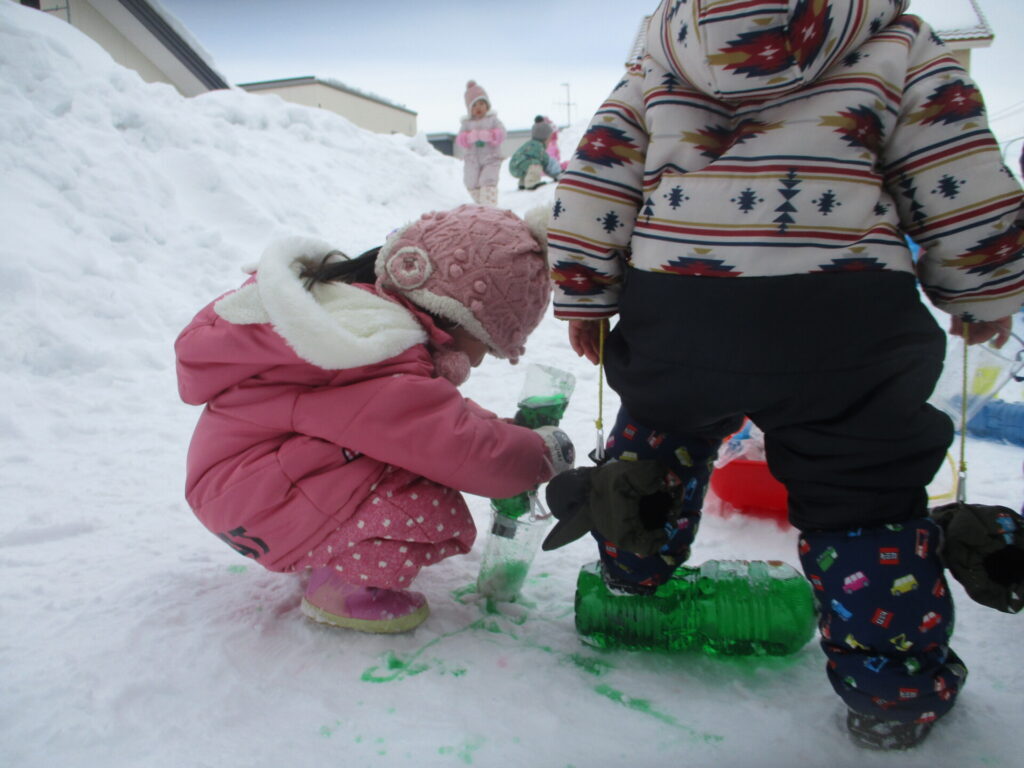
x: 406, y: 523
x: 836, y: 370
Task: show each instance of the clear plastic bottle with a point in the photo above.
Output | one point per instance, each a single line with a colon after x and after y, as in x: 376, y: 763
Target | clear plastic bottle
x: 518, y: 523
x: 726, y: 607
x: 517, y: 527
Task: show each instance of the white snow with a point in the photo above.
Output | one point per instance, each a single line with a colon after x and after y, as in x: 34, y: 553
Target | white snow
x: 129, y: 636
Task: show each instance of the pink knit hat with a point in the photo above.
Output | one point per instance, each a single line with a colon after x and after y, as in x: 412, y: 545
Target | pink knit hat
x: 481, y: 267
x: 474, y: 93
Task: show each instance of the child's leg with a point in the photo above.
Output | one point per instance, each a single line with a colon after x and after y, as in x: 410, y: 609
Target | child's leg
x: 886, y: 618
x: 489, y: 182
x: 856, y: 476
x: 406, y: 523
x: 688, y: 460
x: 552, y: 167
x: 471, y: 174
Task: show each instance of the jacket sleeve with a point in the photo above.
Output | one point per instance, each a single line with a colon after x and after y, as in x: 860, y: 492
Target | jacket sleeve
x: 425, y: 426
x: 497, y: 133
x: 955, y: 196
x: 596, y: 205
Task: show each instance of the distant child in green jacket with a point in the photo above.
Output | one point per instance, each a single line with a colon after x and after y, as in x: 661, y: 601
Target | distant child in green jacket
x: 532, y: 159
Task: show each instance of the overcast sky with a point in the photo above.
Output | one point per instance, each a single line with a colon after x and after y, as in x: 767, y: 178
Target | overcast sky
x: 523, y: 52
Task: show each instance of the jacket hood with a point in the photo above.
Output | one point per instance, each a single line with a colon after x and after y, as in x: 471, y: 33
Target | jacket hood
x: 335, y: 326
x: 760, y: 49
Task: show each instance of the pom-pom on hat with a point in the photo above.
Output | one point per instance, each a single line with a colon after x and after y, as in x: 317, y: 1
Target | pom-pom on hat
x: 480, y: 267
x: 541, y: 130
x: 475, y: 93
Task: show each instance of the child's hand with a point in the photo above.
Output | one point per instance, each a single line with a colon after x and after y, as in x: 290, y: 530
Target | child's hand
x: 585, y: 338
x: 627, y: 501
x: 561, y: 452
x: 980, y: 331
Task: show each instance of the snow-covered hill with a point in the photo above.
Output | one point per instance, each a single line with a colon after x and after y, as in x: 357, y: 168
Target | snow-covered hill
x: 129, y: 636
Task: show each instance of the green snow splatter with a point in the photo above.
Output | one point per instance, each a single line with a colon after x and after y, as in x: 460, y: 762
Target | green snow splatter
x: 464, y: 751
x: 644, y: 706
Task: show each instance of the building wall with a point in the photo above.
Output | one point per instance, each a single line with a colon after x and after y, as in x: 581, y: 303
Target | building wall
x: 84, y: 17
x: 963, y: 55
x: 366, y: 113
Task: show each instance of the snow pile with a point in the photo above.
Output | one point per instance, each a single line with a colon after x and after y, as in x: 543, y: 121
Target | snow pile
x: 129, y: 636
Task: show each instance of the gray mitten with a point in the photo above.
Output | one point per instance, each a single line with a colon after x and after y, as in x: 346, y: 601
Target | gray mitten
x: 627, y: 501
x: 983, y: 548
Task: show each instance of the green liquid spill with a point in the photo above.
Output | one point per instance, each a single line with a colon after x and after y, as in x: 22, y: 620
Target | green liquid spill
x: 644, y: 706
x: 464, y: 751
x: 397, y: 668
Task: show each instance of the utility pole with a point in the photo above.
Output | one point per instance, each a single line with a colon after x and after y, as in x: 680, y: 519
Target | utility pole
x: 568, y: 104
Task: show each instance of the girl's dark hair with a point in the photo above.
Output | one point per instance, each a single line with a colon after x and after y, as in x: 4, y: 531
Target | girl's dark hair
x: 357, y: 270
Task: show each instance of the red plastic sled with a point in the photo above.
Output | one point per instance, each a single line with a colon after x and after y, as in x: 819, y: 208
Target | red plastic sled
x: 749, y: 487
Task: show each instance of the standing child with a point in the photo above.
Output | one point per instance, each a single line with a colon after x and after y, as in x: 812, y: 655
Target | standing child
x: 532, y: 158
x: 480, y: 137
x: 334, y: 437
x: 552, y: 145
x: 740, y: 202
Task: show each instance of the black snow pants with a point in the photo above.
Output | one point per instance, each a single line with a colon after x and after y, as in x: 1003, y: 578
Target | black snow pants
x: 836, y: 370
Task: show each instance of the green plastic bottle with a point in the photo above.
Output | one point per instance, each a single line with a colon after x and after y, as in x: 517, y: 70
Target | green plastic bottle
x: 723, y: 607
x: 541, y: 410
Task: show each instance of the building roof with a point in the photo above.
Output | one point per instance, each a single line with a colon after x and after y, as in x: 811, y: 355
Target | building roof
x: 289, y: 82
x: 155, y: 32
x: 958, y: 22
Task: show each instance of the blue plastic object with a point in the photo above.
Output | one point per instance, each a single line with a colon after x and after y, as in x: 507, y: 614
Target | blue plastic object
x: 999, y: 420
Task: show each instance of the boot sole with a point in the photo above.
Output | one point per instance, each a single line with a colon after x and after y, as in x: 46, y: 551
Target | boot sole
x: 378, y: 627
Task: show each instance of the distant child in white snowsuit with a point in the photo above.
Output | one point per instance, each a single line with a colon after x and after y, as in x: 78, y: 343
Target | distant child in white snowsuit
x: 480, y: 137
x: 334, y: 437
x: 532, y: 159
x: 740, y: 203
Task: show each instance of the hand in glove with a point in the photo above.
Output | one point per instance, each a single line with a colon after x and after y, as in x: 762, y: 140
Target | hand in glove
x: 983, y: 547
x: 627, y: 501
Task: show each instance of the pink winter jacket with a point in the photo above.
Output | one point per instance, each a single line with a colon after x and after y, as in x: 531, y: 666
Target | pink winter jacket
x: 309, y: 396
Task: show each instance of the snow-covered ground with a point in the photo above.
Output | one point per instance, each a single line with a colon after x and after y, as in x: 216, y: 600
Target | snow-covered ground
x: 129, y: 636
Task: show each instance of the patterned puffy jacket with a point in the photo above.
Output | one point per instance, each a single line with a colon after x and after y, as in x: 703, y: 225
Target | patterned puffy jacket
x: 767, y: 138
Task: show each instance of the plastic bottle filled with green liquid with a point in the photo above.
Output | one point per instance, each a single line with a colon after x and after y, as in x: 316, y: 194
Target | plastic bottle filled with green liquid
x: 519, y: 523
x: 723, y: 607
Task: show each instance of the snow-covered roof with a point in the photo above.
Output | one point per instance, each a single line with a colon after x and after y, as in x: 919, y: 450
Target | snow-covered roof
x: 290, y: 82
x: 960, y: 23
x: 160, y: 37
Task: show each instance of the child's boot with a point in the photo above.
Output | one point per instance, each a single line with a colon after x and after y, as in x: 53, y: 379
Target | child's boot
x: 475, y: 194
x: 331, y: 600
x: 532, y: 179
x: 488, y: 196
x: 872, y: 732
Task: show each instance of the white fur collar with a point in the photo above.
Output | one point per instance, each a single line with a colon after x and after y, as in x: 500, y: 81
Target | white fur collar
x: 337, y: 327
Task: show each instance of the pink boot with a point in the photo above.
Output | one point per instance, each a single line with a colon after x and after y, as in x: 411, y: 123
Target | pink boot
x: 331, y: 600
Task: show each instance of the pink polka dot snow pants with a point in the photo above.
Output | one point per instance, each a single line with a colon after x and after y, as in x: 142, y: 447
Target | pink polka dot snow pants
x: 407, y: 522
